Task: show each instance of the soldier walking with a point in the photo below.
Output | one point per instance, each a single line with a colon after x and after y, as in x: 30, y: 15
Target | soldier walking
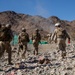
x: 36, y: 38
x: 23, y: 39
x: 60, y: 35
x: 6, y: 37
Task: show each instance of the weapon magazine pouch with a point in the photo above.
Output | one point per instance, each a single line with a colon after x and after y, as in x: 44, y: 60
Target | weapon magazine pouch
x: 61, y: 33
x: 23, y: 37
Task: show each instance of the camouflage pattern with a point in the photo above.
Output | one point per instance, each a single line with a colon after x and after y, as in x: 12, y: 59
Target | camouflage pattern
x: 49, y: 37
x: 5, y: 41
x: 36, y: 37
x: 2, y: 48
x: 8, y: 50
x: 6, y: 34
x: 60, y: 35
x: 23, y: 43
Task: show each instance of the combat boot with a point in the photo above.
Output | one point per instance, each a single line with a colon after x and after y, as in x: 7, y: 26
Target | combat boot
x: 10, y: 63
x: 63, y: 55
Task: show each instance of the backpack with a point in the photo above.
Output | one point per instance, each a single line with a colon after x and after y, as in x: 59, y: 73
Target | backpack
x: 24, y: 37
x: 5, y: 34
x: 61, y: 33
x: 37, y: 37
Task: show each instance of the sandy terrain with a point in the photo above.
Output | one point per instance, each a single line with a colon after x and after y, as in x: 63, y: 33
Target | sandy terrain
x: 30, y: 65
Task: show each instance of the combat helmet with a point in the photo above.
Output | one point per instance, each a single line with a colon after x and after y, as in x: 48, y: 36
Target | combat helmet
x: 57, y: 24
x: 8, y: 26
x: 23, y: 29
x: 36, y: 29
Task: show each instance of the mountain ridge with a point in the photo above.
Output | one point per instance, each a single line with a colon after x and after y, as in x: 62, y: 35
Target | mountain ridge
x: 46, y: 25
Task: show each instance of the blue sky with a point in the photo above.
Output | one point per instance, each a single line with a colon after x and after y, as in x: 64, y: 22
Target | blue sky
x: 64, y: 9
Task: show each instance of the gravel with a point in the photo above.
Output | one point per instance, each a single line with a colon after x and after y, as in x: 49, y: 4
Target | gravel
x: 30, y: 65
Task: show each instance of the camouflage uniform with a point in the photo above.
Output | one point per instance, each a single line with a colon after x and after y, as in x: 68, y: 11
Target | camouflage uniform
x: 60, y: 38
x: 49, y: 37
x: 2, y: 48
x: 23, y: 40
x: 6, y: 38
x: 2, y: 45
x: 36, y: 37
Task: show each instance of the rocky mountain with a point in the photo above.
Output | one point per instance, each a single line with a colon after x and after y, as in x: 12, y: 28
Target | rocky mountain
x: 46, y: 25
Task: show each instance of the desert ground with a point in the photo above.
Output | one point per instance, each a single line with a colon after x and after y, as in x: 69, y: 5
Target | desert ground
x: 30, y: 65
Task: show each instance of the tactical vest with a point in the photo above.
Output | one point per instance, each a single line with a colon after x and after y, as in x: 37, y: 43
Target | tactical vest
x: 36, y: 37
x: 24, y: 37
x: 6, y: 35
x: 61, y: 33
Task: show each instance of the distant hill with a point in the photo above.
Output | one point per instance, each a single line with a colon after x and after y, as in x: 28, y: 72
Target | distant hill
x: 46, y: 25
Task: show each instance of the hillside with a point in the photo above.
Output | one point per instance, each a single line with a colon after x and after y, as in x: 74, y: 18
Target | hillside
x: 46, y: 25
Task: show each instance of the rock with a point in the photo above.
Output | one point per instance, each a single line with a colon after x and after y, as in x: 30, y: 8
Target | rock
x: 40, y: 71
x: 36, y: 69
x: 2, y: 73
x: 19, y: 72
x: 21, y: 66
x: 12, y: 73
x: 52, y: 72
x: 17, y: 65
x: 51, y: 64
x: 43, y: 60
x: 46, y: 68
x: 69, y: 68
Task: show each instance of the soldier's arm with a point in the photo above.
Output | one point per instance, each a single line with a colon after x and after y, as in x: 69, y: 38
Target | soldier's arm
x: 19, y: 39
x: 39, y: 36
x: 11, y: 33
x: 67, y: 35
x: 53, y: 35
x: 28, y: 37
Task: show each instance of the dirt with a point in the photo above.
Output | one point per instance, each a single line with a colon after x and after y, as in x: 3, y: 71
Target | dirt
x: 30, y: 66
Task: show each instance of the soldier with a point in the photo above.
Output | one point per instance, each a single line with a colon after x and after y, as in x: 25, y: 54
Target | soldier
x: 7, y: 36
x: 23, y: 39
x: 49, y: 37
x: 60, y: 38
x: 36, y: 38
x: 2, y: 48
